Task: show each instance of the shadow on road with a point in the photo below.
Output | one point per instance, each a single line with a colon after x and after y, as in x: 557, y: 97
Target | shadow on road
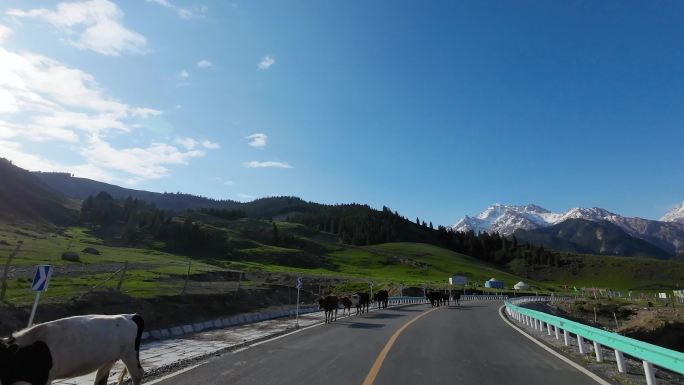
x: 386, y: 315
x: 464, y: 307
x: 364, y: 325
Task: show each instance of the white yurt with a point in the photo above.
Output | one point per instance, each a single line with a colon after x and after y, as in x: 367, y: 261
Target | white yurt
x: 521, y: 286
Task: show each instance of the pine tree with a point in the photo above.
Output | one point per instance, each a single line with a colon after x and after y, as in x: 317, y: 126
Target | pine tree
x: 276, y: 240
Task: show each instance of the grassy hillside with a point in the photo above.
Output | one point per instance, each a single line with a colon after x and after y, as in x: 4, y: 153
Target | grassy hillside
x: 26, y: 199
x: 149, y: 275
x: 608, y: 272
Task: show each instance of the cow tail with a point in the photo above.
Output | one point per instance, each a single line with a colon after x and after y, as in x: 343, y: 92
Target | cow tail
x: 140, y: 322
x: 122, y: 375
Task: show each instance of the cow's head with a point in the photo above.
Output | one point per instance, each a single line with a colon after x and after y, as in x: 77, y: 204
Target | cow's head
x: 7, y: 350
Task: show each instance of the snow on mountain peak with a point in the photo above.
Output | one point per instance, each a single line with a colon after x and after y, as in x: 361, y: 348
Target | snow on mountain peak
x: 505, y: 219
x: 675, y: 215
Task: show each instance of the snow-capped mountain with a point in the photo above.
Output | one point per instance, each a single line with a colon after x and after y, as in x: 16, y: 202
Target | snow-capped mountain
x: 506, y: 219
x: 675, y: 215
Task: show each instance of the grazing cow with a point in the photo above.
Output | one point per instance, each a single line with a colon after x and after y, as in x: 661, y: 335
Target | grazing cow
x: 329, y: 305
x: 73, y: 347
x: 445, y: 299
x: 434, y: 297
x: 457, y: 299
x: 362, y: 302
x: 346, y: 303
x: 381, y: 297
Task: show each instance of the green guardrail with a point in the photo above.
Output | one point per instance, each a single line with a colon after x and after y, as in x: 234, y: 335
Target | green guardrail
x: 656, y: 355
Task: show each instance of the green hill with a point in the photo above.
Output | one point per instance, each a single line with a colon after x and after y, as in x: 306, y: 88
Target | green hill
x: 24, y: 198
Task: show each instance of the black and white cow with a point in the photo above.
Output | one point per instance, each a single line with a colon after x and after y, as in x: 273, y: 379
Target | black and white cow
x: 72, y: 347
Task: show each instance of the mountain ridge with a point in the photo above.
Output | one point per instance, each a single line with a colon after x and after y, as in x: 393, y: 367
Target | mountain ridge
x: 591, y: 237
x: 507, y: 219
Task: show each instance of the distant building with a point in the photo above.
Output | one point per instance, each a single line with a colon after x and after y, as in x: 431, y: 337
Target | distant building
x: 460, y: 280
x: 494, y: 283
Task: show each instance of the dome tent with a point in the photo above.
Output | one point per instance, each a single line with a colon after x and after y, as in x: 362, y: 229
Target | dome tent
x: 521, y: 286
x: 494, y: 283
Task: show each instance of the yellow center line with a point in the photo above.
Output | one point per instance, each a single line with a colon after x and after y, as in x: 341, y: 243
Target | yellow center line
x: 375, y: 369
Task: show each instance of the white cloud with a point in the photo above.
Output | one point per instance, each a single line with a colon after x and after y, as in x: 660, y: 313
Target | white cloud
x: 257, y: 140
x: 204, y: 63
x: 266, y: 62
x: 267, y: 164
x: 228, y: 183
x: 5, y: 32
x: 97, y: 25
x: 196, y: 12
x: 190, y: 143
x: 210, y: 145
x: 244, y: 196
x: 142, y: 163
x: 44, y: 100
x: 184, y: 74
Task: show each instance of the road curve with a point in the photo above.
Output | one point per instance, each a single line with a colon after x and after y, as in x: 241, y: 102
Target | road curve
x: 469, y: 344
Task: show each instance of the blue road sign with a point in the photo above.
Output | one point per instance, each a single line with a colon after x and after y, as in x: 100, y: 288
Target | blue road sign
x: 40, y: 280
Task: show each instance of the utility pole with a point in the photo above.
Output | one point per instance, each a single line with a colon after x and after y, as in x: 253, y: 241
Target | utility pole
x: 6, y: 272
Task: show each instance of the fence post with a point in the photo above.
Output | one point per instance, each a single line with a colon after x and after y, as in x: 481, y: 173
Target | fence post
x: 580, y: 343
x: 565, y: 337
x: 240, y: 280
x: 649, y: 372
x: 123, y: 275
x: 620, y: 359
x: 6, y: 272
x: 598, y: 351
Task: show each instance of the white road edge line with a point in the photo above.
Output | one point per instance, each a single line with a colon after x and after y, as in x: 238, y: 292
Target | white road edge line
x: 555, y: 353
x: 174, y: 374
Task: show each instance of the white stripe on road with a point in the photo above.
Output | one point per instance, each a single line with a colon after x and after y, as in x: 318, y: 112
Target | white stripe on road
x: 174, y: 374
x: 555, y: 353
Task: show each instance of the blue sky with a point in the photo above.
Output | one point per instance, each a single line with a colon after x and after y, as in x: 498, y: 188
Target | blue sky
x: 436, y: 109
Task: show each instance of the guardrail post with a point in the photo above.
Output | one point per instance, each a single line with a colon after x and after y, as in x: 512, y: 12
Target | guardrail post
x: 598, y: 351
x: 649, y: 372
x: 555, y: 328
x: 565, y: 337
x: 580, y: 344
x: 548, y: 328
x: 620, y: 359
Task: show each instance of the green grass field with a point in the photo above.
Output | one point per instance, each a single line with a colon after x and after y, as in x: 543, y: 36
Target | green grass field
x: 47, y: 248
x: 155, y: 273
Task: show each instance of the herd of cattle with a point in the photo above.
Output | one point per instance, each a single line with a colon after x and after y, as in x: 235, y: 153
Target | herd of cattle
x: 361, y: 301
x: 75, y: 346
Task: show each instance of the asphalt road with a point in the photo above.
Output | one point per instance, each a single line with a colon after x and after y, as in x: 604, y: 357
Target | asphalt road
x: 469, y: 344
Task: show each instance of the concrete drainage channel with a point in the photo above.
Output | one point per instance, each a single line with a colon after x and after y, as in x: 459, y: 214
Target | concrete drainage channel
x: 219, y: 323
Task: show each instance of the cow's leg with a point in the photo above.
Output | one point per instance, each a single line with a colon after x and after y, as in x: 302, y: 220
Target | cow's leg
x: 335, y: 314
x: 131, y: 360
x: 103, y: 373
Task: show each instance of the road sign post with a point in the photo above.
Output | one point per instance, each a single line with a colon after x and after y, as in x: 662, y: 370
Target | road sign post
x: 39, y: 285
x: 299, y: 286
x: 371, y: 294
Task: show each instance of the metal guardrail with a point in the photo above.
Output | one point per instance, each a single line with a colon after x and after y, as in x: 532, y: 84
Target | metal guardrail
x: 464, y: 297
x: 649, y: 354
